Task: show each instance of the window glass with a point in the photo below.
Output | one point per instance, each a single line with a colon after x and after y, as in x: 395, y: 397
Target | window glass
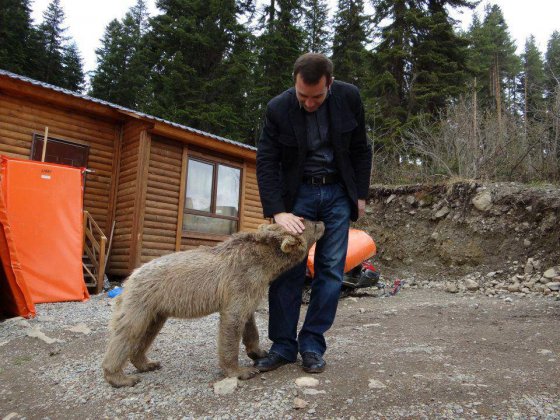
x: 204, y: 224
x: 219, y: 202
x: 199, y: 186
x: 227, y: 198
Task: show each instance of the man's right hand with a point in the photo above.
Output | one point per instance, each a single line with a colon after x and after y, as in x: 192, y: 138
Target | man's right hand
x: 290, y: 222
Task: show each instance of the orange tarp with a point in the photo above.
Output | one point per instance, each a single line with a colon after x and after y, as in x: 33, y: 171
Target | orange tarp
x: 44, y: 208
x: 14, y: 296
x: 360, y: 247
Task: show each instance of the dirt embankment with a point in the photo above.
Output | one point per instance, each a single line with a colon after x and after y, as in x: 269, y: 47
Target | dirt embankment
x: 506, y: 232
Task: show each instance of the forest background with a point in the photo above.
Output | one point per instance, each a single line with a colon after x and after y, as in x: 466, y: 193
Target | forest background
x: 440, y: 102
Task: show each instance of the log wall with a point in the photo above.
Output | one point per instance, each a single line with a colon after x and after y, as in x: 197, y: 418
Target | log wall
x: 21, y: 118
x: 162, y: 199
x: 252, y: 215
x: 121, y: 258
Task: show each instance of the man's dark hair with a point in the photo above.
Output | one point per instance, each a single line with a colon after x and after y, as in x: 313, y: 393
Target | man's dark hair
x: 313, y: 66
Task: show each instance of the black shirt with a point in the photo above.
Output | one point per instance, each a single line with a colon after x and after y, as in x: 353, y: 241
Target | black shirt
x: 320, y: 159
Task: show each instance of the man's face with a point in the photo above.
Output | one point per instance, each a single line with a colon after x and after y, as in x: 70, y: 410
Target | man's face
x: 311, y: 97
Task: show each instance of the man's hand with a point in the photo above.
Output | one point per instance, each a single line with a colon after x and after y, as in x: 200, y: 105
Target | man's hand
x: 361, y: 208
x: 290, y: 222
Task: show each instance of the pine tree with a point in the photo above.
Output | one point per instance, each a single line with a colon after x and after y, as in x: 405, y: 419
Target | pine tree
x: 52, y: 39
x: 386, y: 94
x: 552, y: 65
x: 439, y: 69
x: 279, y: 46
x: 122, y: 72
x: 73, y: 77
x: 418, y: 65
x: 316, y: 26
x: 16, y: 32
x: 552, y: 93
x: 350, y: 56
x: 532, y: 81
x: 492, y: 56
x: 198, y: 54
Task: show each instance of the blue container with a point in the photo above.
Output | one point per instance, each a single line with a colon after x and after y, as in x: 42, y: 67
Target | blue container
x: 114, y: 292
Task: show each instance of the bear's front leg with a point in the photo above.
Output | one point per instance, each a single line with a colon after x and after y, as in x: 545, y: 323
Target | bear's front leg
x: 229, y: 337
x: 251, y: 339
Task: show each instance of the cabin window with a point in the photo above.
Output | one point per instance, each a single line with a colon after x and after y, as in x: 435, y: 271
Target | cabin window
x: 211, y: 197
x: 60, y: 151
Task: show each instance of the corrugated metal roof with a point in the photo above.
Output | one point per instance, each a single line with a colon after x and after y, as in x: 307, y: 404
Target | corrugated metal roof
x: 122, y: 108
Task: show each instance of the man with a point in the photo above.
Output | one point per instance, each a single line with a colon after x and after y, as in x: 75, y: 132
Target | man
x: 314, y: 162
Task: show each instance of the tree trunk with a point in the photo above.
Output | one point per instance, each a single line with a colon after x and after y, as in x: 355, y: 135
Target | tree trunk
x: 475, y: 144
x: 498, y: 96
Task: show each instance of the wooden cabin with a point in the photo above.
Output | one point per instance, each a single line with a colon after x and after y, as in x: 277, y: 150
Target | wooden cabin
x: 163, y: 186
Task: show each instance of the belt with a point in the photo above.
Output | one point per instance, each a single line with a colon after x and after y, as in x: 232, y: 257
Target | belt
x: 321, y: 179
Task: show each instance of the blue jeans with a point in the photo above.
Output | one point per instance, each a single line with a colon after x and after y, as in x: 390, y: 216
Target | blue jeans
x: 331, y: 205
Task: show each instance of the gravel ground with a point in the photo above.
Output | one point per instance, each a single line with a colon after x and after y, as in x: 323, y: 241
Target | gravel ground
x: 420, y: 354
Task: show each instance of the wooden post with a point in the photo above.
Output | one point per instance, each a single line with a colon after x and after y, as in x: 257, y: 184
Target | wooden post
x: 45, y: 143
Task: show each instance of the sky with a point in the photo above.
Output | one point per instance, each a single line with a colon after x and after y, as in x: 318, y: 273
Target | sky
x: 86, y: 21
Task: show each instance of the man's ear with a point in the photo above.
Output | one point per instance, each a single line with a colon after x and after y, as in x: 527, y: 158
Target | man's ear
x: 291, y: 243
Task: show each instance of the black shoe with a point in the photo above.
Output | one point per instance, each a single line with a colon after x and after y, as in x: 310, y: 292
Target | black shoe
x: 313, y: 362
x: 270, y: 362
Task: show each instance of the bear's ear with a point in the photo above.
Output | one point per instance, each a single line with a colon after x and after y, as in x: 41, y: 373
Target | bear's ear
x: 291, y: 243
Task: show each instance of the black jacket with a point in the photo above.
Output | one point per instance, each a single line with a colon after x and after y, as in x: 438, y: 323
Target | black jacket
x: 282, y: 148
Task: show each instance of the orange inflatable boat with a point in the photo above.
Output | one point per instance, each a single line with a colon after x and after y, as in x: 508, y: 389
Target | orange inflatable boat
x: 360, y: 247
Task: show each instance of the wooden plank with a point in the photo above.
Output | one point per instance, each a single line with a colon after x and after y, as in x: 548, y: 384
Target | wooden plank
x: 158, y: 238
x: 254, y: 214
x: 163, y: 198
x: 162, y: 178
x: 162, y: 186
x: 162, y: 158
x: 242, y: 197
x: 96, y: 204
x: 253, y: 203
x: 181, y: 209
x: 15, y: 139
x: 164, y: 213
x: 154, y: 246
x: 154, y: 253
x: 115, y: 179
x: 169, y: 162
x: 6, y: 148
x: 160, y: 205
x: 160, y: 218
x: 159, y: 231
x: 140, y: 206
x: 98, y: 182
x: 164, y: 172
x: 165, y: 223
x: 16, y: 155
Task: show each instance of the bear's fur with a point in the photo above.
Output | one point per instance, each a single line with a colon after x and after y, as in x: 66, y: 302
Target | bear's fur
x: 230, y: 278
